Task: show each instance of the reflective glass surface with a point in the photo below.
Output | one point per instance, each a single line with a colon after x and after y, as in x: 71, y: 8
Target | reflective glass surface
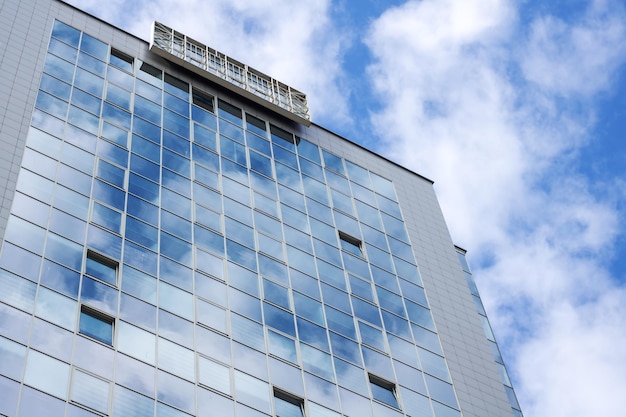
x: 221, y: 259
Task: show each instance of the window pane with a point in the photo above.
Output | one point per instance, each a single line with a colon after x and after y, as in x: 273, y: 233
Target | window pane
x: 47, y: 374
x: 287, y: 408
x: 214, y: 375
x: 93, y: 325
x: 176, y: 359
x: 383, y: 393
x: 56, y: 308
x: 136, y: 342
x: 101, y: 268
x: 90, y: 391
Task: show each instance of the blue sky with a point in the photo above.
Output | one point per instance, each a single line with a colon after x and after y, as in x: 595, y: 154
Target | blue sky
x: 517, y: 111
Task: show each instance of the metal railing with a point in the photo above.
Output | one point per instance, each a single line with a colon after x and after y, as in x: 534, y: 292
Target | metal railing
x: 228, y: 69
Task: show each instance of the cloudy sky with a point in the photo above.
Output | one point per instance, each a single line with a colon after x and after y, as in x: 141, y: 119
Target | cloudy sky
x: 517, y: 110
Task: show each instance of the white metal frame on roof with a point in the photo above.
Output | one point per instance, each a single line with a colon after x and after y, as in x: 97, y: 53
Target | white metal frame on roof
x: 229, y: 73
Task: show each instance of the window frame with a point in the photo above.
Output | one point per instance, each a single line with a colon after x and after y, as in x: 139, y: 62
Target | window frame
x: 289, y: 398
x: 385, y: 385
x: 101, y: 317
x: 123, y: 57
x: 353, y: 241
x: 105, y: 261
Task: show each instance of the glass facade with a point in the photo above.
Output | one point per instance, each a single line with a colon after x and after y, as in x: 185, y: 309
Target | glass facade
x: 174, y: 250
x: 495, y: 350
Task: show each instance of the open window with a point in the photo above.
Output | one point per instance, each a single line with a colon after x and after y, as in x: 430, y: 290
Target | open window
x: 121, y: 60
x: 96, y: 325
x: 287, y: 405
x: 100, y: 267
x: 202, y: 99
x: 350, y: 244
x: 383, y: 391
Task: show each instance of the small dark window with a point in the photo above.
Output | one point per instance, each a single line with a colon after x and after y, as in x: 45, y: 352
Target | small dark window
x: 230, y: 110
x: 172, y: 81
x: 100, y: 267
x: 121, y: 60
x: 256, y: 125
x: 277, y: 132
x: 287, y: 405
x: 153, y: 71
x: 96, y: 325
x: 383, y: 391
x: 203, y: 100
x: 350, y: 244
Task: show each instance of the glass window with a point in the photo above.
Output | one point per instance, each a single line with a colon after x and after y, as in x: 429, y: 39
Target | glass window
x: 287, y: 405
x: 64, y: 251
x: 214, y: 375
x: 177, y: 87
x: 229, y: 112
x: 57, y: 277
x: 92, y: 64
x: 147, y: 130
x: 56, y: 308
x: 96, y: 325
x: 94, y: 47
x: 350, y: 244
x: 59, y: 68
x: 256, y: 125
x: 81, y: 99
x: 202, y: 116
x: 211, y: 316
x: 371, y: 336
x: 108, y: 218
x: 138, y: 312
x: 202, y: 99
x: 309, y: 150
x: 136, y: 342
x: 383, y: 391
x: 176, y: 359
x: 252, y: 391
x: 247, y: 331
x: 90, y: 391
x: 282, y: 346
x: 279, y: 319
x: 113, y: 153
x: 120, y: 77
x: 312, y: 334
x: 119, y: 96
x: 147, y: 109
x: 333, y: 162
x: 47, y: 374
x: 121, y: 60
x: 151, y: 74
x: 13, y: 355
x: 176, y: 104
x: 65, y: 33
x: 111, y: 173
x: 282, y: 137
x: 88, y: 82
x: 129, y: 403
x: 100, y: 267
x: 351, y: 377
x: 175, y: 300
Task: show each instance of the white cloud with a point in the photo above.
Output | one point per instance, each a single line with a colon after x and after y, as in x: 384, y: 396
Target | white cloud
x: 292, y: 41
x: 498, y: 119
x: 580, y: 58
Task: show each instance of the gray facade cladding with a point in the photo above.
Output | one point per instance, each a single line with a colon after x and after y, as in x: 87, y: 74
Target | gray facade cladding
x: 170, y: 248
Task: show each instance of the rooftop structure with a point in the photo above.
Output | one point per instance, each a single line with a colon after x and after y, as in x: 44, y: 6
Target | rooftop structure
x: 229, y: 73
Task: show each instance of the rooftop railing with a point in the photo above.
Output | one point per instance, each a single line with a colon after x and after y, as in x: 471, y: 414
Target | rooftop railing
x: 218, y: 67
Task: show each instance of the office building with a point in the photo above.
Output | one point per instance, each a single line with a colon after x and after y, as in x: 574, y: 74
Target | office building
x: 178, y: 239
